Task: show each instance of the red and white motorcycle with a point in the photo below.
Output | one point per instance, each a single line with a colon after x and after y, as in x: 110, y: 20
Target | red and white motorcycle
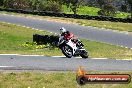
x: 69, y: 48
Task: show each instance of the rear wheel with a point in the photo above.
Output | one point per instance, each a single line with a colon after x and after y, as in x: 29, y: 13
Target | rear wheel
x: 84, y: 54
x: 67, y: 51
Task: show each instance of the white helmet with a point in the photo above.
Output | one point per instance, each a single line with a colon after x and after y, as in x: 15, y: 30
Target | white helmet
x: 62, y: 30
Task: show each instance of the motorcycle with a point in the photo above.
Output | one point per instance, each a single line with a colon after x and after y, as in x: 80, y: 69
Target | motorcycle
x: 70, y: 48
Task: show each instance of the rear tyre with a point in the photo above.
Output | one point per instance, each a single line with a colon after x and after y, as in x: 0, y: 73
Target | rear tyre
x: 84, y: 54
x: 67, y: 51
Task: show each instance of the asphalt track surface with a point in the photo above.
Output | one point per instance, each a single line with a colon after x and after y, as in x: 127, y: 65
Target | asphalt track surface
x: 90, y: 33
x: 18, y: 62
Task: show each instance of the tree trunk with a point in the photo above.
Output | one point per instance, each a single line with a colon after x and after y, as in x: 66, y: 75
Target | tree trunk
x: 131, y: 11
x: 75, y: 11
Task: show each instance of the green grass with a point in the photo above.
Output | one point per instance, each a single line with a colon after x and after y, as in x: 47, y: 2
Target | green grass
x: 103, y: 50
x: 93, y: 11
x: 83, y: 10
x: 88, y: 11
x: 122, y: 15
x: 104, y: 24
x: 13, y: 39
x: 51, y: 80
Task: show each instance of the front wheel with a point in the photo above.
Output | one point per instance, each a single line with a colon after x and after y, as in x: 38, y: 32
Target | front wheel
x: 84, y: 54
x: 67, y: 51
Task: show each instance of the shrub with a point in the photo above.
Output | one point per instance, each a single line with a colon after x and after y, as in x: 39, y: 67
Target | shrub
x: 40, y: 5
x: 50, y: 6
x: 108, y: 10
x: 1, y: 2
x: 17, y: 4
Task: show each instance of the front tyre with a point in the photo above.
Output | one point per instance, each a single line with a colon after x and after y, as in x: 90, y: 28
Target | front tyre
x: 67, y: 51
x: 84, y: 54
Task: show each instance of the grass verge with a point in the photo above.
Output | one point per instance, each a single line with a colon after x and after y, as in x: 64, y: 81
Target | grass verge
x: 51, y: 79
x: 101, y: 24
x: 13, y: 41
x: 83, y: 10
x: 93, y: 11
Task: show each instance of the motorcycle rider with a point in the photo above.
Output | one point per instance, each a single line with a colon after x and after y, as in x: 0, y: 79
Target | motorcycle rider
x: 68, y: 35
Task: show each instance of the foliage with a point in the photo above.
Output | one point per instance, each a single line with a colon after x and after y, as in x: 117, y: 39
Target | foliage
x: 85, y: 10
x: 34, y: 45
x: 101, y: 3
x: 1, y: 2
x: 35, y: 4
x: 73, y: 4
x: 41, y: 5
x: 17, y: 4
x: 130, y: 3
x: 108, y: 10
x: 53, y: 6
x: 124, y: 8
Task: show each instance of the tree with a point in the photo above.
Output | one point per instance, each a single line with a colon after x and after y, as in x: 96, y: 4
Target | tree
x: 40, y: 5
x: 101, y: 3
x: 124, y: 7
x: 1, y: 2
x: 73, y: 4
x: 17, y: 4
x: 125, y: 2
x: 53, y: 6
x: 34, y: 4
x: 130, y: 3
x: 108, y: 10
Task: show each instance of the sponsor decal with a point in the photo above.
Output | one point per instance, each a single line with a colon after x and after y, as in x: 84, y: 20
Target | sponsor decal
x: 83, y: 78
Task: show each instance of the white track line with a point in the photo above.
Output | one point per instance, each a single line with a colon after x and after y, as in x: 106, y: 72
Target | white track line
x: 30, y: 55
x: 8, y: 54
x: 58, y: 56
x: 124, y: 59
x: 99, y: 58
x: 5, y: 66
x: 63, y: 56
x: 78, y: 57
x: 18, y: 55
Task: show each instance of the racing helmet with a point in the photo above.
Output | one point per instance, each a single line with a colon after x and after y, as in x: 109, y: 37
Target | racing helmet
x: 62, y: 30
